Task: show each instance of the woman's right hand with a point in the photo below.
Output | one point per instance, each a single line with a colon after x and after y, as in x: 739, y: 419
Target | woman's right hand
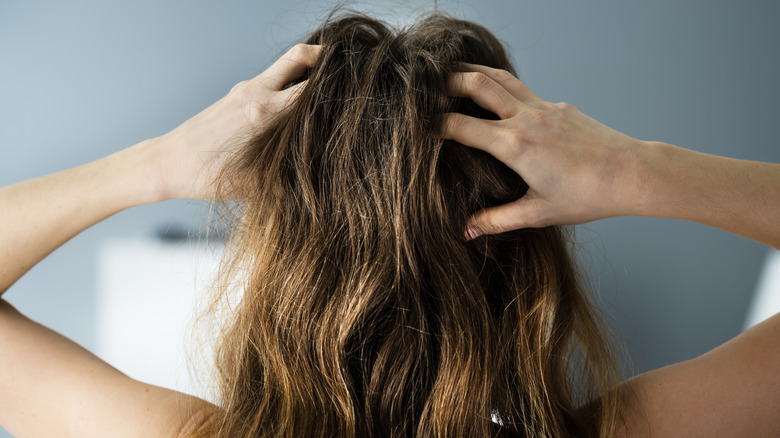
x: 577, y: 169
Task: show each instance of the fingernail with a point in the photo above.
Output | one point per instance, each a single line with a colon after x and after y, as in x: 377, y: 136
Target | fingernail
x: 472, y: 233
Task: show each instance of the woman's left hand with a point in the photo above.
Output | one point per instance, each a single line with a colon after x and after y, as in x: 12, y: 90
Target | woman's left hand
x: 187, y: 160
x: 577, y: 169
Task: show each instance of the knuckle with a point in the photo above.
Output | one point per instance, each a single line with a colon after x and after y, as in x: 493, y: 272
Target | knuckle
x: 502, y: 75
x: 258, y: 112
x: 301, y: 52
x: 448, y: 123
x: 487, y: 225
x: 240, y: 88
x: 479, y: 79
x: 516, y: 137
x: 565, y: 106
x: 452, y: 125
x: 540, y: 118
x: 297, y: 51
x: 456, y: 120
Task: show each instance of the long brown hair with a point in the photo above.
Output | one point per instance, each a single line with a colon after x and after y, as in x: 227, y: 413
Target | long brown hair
x: 365, y: 312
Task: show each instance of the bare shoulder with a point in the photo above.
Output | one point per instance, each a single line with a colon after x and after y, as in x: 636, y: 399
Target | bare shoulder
x: 733, y: 390
x: 51, y: 386
x: 160, y: 412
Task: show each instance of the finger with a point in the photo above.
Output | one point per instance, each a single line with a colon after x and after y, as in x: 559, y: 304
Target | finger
x: 522, y: 213
x: 285, y: 97
x: 484, y: 91
x: 290, y: 66
x: 504, y: 78
x: 477, y: 133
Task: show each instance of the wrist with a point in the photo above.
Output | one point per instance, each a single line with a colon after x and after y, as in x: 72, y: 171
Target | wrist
x: 138, y: 173
x: 648, y: 157
x: 669, y: 181
x: 637, y: 178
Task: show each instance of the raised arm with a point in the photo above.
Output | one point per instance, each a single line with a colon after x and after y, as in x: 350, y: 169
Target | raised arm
x: 50, y: 386
x: 579, y: 170
x: 41, y: 214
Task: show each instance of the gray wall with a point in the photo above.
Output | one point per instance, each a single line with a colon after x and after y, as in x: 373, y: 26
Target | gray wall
x: 84, y: 79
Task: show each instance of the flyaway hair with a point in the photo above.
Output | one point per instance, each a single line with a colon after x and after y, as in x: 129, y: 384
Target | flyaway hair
x: 364, y: 310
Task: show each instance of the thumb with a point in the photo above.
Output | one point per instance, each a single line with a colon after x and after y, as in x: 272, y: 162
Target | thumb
x: 511, y: 216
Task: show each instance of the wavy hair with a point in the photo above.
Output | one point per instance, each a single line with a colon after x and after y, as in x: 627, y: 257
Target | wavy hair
x: 364, y: 310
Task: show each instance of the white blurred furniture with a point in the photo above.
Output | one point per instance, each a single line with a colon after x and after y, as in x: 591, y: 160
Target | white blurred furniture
x: 766, y: 301
x: 147, y: 290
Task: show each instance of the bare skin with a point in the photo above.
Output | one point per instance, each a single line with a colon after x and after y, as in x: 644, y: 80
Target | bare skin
x: 579, y: 170
x: 50, y: 386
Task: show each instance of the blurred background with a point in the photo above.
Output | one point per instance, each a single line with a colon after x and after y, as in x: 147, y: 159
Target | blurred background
x: 82, y: 79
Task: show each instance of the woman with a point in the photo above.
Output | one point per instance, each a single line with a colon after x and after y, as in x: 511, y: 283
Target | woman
x: 394, y: 282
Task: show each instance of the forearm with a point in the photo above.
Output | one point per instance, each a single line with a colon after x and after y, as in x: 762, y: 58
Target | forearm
x: 739, y: 196
x: 39, y: 215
